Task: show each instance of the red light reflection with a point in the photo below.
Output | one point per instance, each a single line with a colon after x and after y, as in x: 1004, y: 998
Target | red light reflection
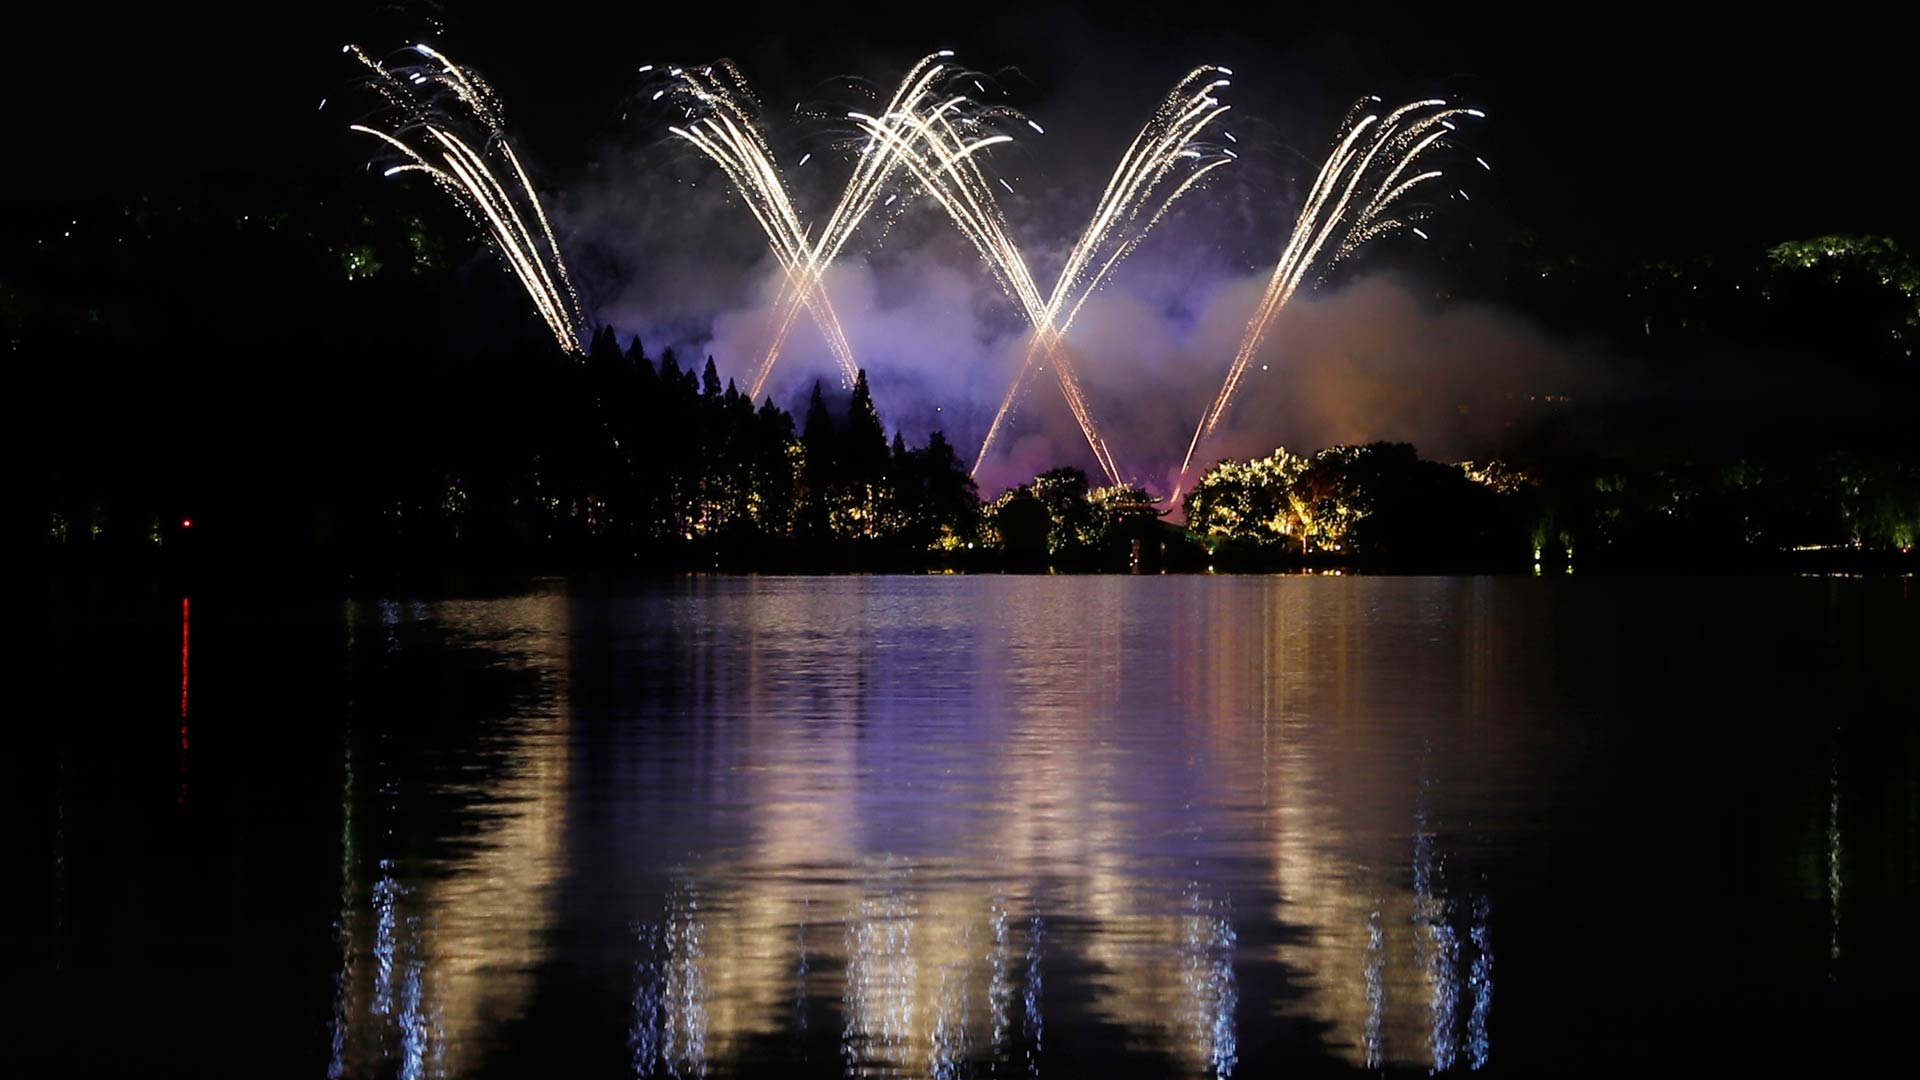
x: 186, y: 641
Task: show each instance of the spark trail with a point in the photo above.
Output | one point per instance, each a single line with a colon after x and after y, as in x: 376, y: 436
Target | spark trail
x: 1375, y: 164
x: 1164, y: 161
x: 445, y: 121
x: 726, y: 132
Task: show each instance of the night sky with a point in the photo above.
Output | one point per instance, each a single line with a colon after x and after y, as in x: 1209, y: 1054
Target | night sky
x: 1637, y: 120
x: 1626, y: 133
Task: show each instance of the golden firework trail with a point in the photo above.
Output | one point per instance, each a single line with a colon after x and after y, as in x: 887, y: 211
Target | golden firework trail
x: 1376, y: 162
x: 1164, y: 161
x: 724, y: 129
x: 429, y: 106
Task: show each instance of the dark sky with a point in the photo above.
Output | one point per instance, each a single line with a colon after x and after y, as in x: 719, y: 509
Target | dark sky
x: 1647, y: 123
x: 1626, y: 131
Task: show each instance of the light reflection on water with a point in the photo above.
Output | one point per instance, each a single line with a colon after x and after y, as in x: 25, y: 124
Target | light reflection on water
x: 940, y: 827
x: 436, y: 955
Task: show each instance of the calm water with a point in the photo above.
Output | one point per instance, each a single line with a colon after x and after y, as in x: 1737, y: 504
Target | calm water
x: 979, y: 826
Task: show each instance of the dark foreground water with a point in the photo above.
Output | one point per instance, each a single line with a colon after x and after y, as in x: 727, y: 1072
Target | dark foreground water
x: 976, y: 826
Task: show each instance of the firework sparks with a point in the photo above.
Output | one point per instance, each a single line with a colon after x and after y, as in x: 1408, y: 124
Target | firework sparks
x: 1373, y: 167
x: 445, y: 121
x: 1164, y: 161
x: 936, y: 138
x: 724, y: 129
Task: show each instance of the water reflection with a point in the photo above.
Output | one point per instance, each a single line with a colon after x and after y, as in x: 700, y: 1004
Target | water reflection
x: 186, y: 655
x: 912, y: 817
x: 1390, y: 949
x: 443, y: 918
x: 1833, y: 854
x: 899, y: 827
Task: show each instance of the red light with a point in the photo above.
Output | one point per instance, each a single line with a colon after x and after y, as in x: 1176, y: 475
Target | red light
x: 186, y: 523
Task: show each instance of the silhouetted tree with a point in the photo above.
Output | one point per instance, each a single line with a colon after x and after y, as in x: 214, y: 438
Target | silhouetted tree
x: 938, y: 503
x: 818, y: 445
x: 775, y: 453
x: 1021, y: 525
x: 862, y: 467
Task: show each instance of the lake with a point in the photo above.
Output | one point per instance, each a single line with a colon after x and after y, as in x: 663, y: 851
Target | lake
x: 977, y: 826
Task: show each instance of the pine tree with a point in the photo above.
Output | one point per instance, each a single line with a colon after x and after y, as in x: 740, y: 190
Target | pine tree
x: 643, y: 424
x: 863, y: 463
x: 679, y: 433
x: 817, y: 441
x: 774, y: 478
x: 952, y: 500
x: 604, y: 350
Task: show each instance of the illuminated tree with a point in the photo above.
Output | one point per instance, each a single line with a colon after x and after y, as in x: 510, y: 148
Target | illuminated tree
x: 1249, y: 502
x: 818, y: 454
x: 776, y: 458
x: 941, y: 504
x: 1375, y: 499
x: 861, y: 469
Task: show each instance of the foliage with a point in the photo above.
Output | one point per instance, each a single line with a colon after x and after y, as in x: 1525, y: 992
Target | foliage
x: 1377, y: 499
x: 1057, y: 519
x: 1880, y: 258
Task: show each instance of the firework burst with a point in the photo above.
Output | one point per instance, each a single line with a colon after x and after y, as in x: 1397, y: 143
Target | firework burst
x: 444, y: 121
x: 1166, y: 159
x: 1359, y: 194
x: 721, y: 123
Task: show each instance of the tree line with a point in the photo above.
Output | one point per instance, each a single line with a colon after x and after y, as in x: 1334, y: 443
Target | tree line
x: 660, y: 461
x: 1383, y: 504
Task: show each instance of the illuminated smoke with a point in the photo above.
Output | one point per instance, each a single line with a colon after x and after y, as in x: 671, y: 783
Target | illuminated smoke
x: 1352, y: 200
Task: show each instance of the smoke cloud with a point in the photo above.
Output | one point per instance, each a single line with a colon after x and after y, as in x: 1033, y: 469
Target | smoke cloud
x: 664, y: 250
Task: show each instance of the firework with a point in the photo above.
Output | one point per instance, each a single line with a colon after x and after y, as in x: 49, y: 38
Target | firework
x: 1165, y: 160
x: 1376, y: 162
x: 444, y: 121
x: 723, y: 127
